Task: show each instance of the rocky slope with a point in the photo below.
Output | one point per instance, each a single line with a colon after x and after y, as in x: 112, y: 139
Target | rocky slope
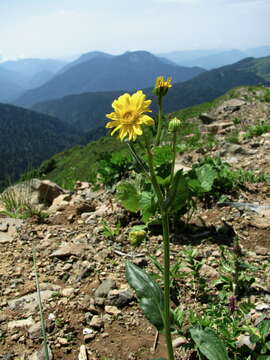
x: 90, y: 312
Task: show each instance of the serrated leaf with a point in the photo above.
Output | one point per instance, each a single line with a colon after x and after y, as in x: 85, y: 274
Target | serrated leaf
x: 149, y: 294
x: 128, y: 196
x: 209, y: 344
x: 206, y: 176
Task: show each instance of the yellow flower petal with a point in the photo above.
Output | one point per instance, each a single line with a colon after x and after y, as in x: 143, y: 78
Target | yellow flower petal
x: 129, y: 115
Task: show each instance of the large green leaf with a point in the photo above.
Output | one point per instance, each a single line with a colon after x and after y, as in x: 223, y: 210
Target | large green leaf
x: 209, y: 344
x: 128, y: 196
x: 206, y: 175
x: 149, y: 293
x: 162, y: 155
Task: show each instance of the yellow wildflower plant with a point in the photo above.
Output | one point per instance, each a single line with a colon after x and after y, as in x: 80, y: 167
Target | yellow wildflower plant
x: 129, y: 115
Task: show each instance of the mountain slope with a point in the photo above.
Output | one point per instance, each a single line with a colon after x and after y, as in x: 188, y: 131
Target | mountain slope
x: 129, y: 71
x: 83, y: 58
x: 27, y: 138
x: 87, y: 111
x: 10, y: 86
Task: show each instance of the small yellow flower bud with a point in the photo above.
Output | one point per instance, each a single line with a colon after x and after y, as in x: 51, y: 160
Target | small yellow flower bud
x: 162, y: 86
x: 174, y: 125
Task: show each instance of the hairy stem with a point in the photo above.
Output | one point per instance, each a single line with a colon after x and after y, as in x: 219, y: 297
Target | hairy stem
x: 159, y: 127
x: 174, y: 156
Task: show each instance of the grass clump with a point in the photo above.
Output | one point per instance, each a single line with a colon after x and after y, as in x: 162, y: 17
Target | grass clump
x: 16, y: 201
x: 257, y: 130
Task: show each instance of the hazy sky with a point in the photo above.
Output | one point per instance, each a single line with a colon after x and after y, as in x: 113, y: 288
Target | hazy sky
x: 57, y: 28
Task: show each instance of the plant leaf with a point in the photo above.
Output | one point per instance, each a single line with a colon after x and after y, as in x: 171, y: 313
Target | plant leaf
x: 264, y: 327
x: 149, y: 293
x: 206, y: 176
x: 179, y: 193
x: 147, y: 205
x: 128, y: 196
x: 209, y: 344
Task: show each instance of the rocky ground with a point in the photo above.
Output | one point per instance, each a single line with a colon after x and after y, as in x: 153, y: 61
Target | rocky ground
x: 90, y: 311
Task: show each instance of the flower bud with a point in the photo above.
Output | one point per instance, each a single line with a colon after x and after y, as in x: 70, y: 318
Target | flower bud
x: 174, y: 125
x: 162, y: 86
x: 136, y: 237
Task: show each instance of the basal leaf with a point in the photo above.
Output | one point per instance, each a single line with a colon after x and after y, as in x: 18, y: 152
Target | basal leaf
x: 149, y: 293
x: 209, y: 344
x: 206, y: 175
x: 128, y: 196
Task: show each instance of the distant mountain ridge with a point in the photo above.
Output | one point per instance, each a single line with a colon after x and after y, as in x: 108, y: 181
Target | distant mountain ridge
x: 27, y: 138
x: 214, y: 58
x: 16, y: 76
x: 9, y: 85
x: 87, y: 111
x: 129, y: 71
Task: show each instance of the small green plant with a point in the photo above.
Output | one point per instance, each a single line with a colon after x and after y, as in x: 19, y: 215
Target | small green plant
x: 257, y: 130
x: 236, y: 121
x: 41, y: 314
x: 267, y: 96
x: 114, y: 167
x: 234, y: 274
x: 233, y: 137
x: 110, y: 232
x: 195, y: 265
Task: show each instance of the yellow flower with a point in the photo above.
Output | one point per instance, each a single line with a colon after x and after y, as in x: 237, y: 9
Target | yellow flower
x: 162, y: 83
x: 128, y: 115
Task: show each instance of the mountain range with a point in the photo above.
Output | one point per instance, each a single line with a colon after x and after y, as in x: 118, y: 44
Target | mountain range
x: 17, y: 76
x: 87, y: 111
x: 102, y: 72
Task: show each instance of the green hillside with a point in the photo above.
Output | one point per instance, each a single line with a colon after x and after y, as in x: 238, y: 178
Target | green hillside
x: 27, y: 138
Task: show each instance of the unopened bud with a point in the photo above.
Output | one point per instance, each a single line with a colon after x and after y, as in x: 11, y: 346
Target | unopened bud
x: 162, y: 86
x: 174, y: 124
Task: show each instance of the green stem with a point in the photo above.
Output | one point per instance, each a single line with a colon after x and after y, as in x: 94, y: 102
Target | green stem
x: 137, y: 158
x: 160, y: 112
x: 174, y: 156
x: 166, y: 247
